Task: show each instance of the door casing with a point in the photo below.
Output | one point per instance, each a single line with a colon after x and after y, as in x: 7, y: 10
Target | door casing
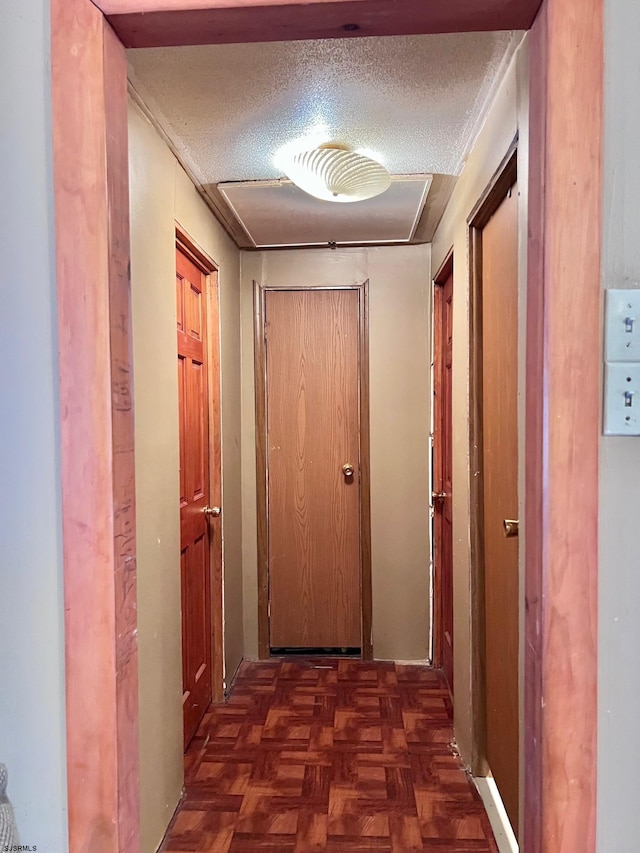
x: 260, y: 367
x: 90, y: 187
x: 439, y: 281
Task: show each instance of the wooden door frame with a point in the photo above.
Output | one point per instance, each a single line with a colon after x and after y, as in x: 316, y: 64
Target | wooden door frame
x: 505, y: 177
x: 209, y: 269
x: 260, y: 372
x: 90, y: 186
x: 439, y: 280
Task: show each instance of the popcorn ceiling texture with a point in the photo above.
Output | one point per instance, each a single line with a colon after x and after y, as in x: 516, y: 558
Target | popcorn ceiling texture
x: 416, y: 101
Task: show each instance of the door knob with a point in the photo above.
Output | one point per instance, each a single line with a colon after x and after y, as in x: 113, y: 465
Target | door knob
x: 510, y: 527
x: 438, y: 496
x: 348, y: 470
x: 213, y: 511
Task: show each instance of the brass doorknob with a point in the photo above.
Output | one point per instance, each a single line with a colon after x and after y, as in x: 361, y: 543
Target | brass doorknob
x: 348, y: 470
x: 214, y: 511
x: 510, y: 527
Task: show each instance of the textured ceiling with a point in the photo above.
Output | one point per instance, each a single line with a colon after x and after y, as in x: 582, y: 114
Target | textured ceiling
x: 415, y: 103
x: 414, y: 100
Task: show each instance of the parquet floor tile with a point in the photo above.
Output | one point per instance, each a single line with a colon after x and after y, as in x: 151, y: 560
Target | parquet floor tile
x: 329, y: 756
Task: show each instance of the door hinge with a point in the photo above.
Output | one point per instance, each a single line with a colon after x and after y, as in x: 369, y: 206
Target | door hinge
x: 269, y: 610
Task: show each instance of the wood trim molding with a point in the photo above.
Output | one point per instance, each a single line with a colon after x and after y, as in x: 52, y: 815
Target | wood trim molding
x: 563, y: 416
x: 192, y: 250
x: 260, y: 367
x: 366, y: 585
x: 162, y: 23
x: 534, y: 435
x: 96, y: 427
x: 445, y: 269
x: 490, y: 200
x: 502, y: 179
x: 208, y: 266
x: 128, y: 7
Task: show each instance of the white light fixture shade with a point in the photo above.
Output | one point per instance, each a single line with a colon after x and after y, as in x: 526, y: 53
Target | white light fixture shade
x: 335, y: 173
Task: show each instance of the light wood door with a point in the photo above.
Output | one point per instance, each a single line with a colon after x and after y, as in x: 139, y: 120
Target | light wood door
x: 194, y: 492
x: 500, y: 494
x: 442, y: 475
x: 312, y: 347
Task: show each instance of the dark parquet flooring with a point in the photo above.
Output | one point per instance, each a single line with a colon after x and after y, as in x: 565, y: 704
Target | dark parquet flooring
x: 333, y: 755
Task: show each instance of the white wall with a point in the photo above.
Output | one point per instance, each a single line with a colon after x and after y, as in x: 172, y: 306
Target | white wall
x: 399, y: 345
x: 32, y: 705
x: 161, y: 194
x: 619, y: 563
x: 507, y: 116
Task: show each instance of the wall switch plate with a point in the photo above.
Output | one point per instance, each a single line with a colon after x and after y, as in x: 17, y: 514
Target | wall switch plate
x: 622, y: 325
x: 622, y: 399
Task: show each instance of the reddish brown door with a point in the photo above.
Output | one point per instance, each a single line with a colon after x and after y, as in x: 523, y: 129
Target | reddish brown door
x: 442, y: 475
x: 194, y: 492
x: 312, y: 346
x: 500, y: 494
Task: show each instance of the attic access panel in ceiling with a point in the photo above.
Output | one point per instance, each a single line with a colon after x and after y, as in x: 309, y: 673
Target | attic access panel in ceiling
x: 278, y: 213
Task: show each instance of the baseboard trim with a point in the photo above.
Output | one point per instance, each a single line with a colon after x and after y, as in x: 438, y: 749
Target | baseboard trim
x: 228, y: 687
x: 488, y: 790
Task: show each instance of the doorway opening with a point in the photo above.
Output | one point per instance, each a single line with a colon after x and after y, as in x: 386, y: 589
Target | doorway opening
x: 90, y: 189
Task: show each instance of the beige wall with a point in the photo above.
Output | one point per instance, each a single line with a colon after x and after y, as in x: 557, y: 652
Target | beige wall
x: 507, y: 116
x: 32, y: 689
x: 161, y: 194
x: 400, y: 394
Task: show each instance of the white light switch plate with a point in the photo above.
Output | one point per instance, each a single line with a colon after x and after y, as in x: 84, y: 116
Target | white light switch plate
x: 622, y: 325
x: 622, y: 399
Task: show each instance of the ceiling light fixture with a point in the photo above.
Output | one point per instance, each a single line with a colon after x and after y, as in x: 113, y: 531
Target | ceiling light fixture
x: 334, y: 172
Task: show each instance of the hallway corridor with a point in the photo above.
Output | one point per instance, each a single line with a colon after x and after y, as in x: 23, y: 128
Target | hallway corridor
x: 329, y: 755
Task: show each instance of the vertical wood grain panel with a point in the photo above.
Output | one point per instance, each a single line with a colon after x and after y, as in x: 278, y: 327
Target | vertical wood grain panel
x: 259, y: 366
x: 312, y: 430
x: 562, y: 445
x: 182, y: 408
x: 121, y: 341
x: 503, y: 178
x: 261, y: 469
x: 215, y: 482
x: 366, y: 586
x: 499, y: 474
x: 92, y: 255
x: 534, y: 433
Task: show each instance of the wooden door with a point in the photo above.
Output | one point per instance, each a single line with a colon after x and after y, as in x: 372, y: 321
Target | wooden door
x: 312, y: 349
x: 194, y: 492
x: 442, y: 474
x: 499, y: 241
